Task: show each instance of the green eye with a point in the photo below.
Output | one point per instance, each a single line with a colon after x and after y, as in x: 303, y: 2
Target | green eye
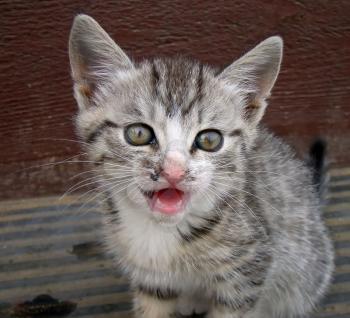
x: 209, y: 140
x: 139, y: 135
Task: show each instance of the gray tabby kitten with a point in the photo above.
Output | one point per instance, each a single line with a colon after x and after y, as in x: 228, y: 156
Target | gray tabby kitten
x: 206, y: 211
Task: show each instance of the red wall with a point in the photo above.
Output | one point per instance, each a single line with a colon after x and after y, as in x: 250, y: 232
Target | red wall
x: 311, y: 97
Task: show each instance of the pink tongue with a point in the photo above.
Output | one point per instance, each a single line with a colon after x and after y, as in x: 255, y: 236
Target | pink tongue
x: 168, y: 201
x: 169, y: 196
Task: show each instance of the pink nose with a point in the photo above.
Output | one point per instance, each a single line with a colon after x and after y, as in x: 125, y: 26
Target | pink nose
x: 173, y: 174
x: 174, y: 167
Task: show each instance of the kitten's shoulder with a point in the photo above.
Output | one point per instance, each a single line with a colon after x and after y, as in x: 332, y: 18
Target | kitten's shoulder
x: 273, y: 146
x: 277, y: 155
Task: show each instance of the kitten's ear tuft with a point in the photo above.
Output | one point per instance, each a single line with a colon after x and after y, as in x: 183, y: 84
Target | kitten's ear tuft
x: 255, y: 73
x: 93, y: 57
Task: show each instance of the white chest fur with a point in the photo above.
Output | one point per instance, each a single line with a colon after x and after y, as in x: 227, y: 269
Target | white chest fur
x: 141, y: 242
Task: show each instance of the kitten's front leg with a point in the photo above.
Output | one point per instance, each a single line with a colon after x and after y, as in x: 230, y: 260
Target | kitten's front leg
x: 153, y: 304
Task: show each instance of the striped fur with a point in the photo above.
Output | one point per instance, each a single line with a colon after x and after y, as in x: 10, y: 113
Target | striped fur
x: 250, y: 243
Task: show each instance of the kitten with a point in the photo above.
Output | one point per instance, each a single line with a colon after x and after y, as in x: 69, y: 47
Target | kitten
x: 206, y: 211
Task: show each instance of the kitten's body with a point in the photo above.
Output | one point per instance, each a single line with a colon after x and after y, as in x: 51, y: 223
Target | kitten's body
x: 277, y: 254
x: 250, y: 241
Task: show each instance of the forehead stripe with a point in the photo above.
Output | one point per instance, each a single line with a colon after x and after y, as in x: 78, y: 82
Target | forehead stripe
x: 199, y: 94
x: 155, y: 79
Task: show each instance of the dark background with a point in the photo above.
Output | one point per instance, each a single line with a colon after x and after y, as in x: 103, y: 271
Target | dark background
x: 311, y: 97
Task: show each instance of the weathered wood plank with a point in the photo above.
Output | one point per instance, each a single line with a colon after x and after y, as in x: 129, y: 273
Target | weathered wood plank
x: 310, y: 99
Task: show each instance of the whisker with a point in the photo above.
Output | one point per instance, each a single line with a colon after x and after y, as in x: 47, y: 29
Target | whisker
x: 109, y: 190
x: 105, y: 185
x: 253, y: 195
x: 95, y: 179
x: 98, y: 170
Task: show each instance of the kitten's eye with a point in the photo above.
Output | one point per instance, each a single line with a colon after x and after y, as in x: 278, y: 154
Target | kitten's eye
x: 139, y: 135
x: 209, y: 140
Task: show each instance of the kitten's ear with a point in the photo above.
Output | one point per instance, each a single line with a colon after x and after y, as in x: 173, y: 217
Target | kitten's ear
x: 93, y: 56
x: 255, y: 73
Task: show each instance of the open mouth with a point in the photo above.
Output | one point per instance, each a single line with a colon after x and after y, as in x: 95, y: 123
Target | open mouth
x: 168, y: 201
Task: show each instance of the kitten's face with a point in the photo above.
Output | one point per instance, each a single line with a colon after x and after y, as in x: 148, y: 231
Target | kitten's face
x: 175, y: 139
x: 169, y: 135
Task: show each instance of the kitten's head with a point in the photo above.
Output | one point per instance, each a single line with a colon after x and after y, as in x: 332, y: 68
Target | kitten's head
x: 168, y: 135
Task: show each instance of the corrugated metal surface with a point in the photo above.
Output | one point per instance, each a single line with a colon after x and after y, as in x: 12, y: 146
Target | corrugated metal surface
x: 51, y: 247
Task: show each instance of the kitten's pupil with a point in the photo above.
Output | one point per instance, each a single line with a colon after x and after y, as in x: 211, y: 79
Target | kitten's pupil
x: 207, y: 141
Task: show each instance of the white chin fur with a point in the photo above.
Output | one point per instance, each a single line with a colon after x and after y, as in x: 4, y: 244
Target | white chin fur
x: 166, y: 220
